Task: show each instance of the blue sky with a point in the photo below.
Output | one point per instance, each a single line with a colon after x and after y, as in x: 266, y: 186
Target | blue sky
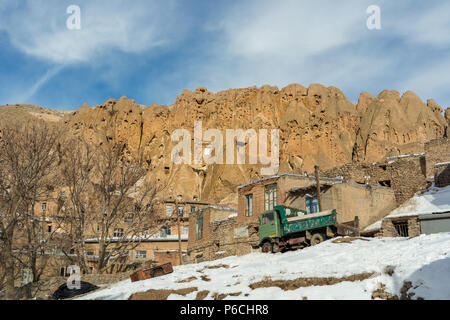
x: 151, y: 50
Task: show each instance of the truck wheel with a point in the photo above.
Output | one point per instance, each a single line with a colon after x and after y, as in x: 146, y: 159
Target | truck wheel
x: 266, y: 247
x: 317, y: 238
x: 275, y: 248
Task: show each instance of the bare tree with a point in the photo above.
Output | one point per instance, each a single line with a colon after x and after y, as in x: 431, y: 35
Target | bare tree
x: 110, y: 202
x: 78, y: 158
x: 27, y: 161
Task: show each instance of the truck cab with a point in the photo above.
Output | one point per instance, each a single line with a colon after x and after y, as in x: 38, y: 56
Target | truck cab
x: 269, y: 225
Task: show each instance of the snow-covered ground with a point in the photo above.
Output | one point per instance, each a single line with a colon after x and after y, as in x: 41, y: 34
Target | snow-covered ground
x: 424, y: 260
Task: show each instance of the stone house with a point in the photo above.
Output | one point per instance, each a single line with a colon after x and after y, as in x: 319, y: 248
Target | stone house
x: 211, y: 233
x: 415, y: 224
x: 427, y: 212
x: 405, y: 174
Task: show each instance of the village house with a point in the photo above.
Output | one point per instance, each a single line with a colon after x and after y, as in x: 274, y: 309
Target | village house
x: 161, y: 247
x: 428, y: 210
x: 215, y: 233
x: 350, y: 199
x: 211, y: 233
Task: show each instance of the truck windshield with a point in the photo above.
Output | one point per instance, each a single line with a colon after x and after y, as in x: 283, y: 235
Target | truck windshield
x: 268, y: 218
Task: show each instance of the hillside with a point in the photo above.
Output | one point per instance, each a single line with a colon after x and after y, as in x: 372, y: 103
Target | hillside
x: 318, y: 125
x: 378, y: 268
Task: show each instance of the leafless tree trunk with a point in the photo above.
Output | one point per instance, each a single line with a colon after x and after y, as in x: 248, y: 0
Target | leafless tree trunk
x: 27, y: 161
x: 78, y: 158
x: 110, y: 202
x: 124, y: 204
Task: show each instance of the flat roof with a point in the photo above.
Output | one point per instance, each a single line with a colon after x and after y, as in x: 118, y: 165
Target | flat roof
x: 330, y: 183
x: 294, y: 175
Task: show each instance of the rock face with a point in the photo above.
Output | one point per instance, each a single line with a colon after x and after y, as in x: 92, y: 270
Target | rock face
x: 318, y: 125
x: 394, y: 125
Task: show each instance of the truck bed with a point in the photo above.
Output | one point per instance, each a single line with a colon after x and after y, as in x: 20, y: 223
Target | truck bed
x: 309, y: 216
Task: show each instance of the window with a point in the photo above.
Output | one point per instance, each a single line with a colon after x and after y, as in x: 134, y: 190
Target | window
x: 185, y: 229
x: 181, y: 211
x: 98, y: 227
x: 140, y: 254
x: 199, y: 228
x: 401, y: 228
x: 268, y: 218
x: 311, y: 204
x: 271, y: 196
x: 118, y: 232
x: 129, y: 218
x: 62, y: 193
x: 385, y: 183
x: 90, y: 253
x: 199, y: 258
x: 169, y: 210
x: 49, y: 228
x: 193, y: 208
x: 44, y: 206
x: 165, y: 231
x: 249, y: 205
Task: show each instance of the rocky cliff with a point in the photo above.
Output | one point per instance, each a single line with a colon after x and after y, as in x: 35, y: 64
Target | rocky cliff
x: 318, y: 125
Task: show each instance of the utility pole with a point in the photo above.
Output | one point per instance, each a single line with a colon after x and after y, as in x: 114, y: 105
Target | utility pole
x: 316, y: 169
x: 179, y: 233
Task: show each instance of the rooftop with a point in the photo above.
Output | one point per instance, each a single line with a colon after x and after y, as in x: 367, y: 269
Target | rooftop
x: 295, y: 175
x: 434, y: 200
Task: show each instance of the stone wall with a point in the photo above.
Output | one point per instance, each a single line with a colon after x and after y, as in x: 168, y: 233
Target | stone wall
x: 405, y: 175
x: 389, y: 230
x: 437, y: 151
x: 442, y: 175
x: 218, y: 242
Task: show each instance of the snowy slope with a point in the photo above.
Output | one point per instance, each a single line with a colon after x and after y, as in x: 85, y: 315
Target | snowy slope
x: 434, y: 200
x: 424, y: 260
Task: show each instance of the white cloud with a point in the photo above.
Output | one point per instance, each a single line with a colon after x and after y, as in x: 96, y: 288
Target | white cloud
x: 292, y: 28
x: 39, y: 29
x: 428, y: 25
x: 42, y: 81
x: 327, y: 41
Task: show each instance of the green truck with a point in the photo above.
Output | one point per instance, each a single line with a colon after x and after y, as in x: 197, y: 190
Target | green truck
x: 285, y: 228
